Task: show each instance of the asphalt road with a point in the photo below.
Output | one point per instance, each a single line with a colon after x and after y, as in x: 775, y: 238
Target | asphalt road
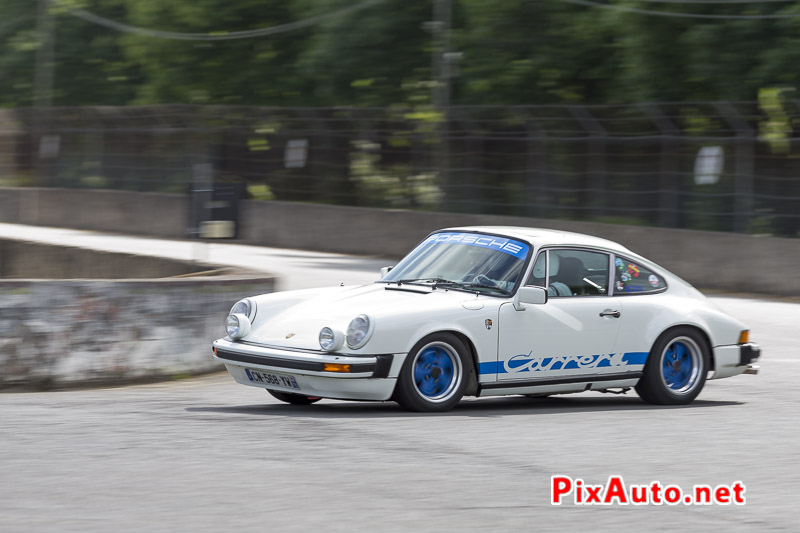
x: 207, y: 454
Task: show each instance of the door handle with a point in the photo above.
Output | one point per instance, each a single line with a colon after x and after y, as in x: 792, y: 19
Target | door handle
x: 609, y: 312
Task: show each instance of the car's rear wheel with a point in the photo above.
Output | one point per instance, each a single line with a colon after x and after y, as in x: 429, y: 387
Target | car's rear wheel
x: 294, y: 399
x: 434, y: 375
x: 676, y: 368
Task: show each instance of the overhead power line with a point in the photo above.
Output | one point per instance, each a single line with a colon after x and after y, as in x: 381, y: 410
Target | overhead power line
x: 679, y: 14
x: 701, y: 2
x: 219, y: 35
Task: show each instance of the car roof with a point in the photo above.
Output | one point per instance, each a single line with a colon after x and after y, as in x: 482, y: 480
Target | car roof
x: 545, y: 237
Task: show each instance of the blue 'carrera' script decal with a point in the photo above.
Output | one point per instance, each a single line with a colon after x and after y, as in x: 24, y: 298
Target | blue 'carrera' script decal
x: 527, y: 363
x: 503, y: 244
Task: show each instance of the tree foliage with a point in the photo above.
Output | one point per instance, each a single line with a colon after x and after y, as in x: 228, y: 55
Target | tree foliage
x: 514, y: 52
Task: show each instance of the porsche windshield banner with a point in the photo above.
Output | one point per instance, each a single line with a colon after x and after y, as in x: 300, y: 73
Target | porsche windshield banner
x: 503, y: 244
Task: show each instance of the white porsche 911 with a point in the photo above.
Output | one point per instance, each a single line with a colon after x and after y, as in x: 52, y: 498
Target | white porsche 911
x: 487, y: 311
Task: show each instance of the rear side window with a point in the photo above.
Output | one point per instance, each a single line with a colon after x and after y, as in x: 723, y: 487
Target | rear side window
x: 632, y: 278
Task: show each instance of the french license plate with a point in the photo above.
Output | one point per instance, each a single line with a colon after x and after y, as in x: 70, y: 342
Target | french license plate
x: 268, y: 378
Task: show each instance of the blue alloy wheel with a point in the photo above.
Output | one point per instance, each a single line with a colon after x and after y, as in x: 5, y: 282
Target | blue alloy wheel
x: 676, y: 367
x: 681, y: 364
x: 436, y: 372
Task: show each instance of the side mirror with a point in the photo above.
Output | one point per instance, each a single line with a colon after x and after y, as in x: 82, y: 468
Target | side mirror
x: 529, y: 295
x: 385, y: 270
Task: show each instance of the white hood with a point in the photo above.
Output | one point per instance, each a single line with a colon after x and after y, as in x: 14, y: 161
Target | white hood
x: 294, y: 319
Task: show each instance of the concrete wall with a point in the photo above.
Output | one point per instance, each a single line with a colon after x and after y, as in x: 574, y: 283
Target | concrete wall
x: 61, y: 333
x: 19, y: 259
x: 162, y: 215
x: 708, y: 260
x: 730, y: 262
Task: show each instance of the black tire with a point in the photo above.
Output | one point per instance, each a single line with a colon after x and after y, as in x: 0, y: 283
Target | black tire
x: 294, y: 399
x: 676, y: 368
x: 434, y: 375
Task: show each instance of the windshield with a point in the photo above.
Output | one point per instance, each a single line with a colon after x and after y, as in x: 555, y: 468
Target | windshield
x: 469, y: 261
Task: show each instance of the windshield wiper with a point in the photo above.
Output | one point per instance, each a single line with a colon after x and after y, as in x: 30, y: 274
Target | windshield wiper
x: 441, y: 282
x: 482, y: 286
x: 435, y: 283
x: 422, y: 280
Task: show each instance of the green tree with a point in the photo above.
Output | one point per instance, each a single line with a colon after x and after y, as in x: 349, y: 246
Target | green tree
x: 691, y: 59
x: 514, y: 52
x: 90, y: 67
x: 374, y: 57
x: 257, y: 71
x: 18, y: 43
x: 523, y: 52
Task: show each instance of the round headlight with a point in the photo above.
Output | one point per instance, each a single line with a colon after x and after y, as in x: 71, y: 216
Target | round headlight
x: 232, y: 326
x: 330, y: 340
x: 244, y: 307
x: 358, y: 331
x: 237, y: 326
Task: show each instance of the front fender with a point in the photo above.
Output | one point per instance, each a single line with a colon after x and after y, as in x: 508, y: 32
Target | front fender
x: 479, y: 327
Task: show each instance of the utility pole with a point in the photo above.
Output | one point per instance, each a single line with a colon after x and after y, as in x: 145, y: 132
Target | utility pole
x: 47, y: 145
x: 440, y: 27
x: 441, y: 76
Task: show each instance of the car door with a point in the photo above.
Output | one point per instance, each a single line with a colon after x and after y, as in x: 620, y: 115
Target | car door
x: 574, y: 333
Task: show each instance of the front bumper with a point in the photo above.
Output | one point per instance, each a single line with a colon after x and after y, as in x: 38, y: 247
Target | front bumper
x: 371, y: 377
x: 736, y: 359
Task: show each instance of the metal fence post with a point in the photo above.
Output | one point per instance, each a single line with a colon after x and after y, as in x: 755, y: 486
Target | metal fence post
x: 669, y: 179
x: 597, y: 190
x: 473, y: 195
x: 536, y: 180
x: 745, y: 151
x: 202, y: 189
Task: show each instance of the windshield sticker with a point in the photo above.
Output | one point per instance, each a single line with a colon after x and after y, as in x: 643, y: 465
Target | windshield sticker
x: 509, y: 246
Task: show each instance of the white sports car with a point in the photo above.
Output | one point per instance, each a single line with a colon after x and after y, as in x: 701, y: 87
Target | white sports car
x: 487, y: 311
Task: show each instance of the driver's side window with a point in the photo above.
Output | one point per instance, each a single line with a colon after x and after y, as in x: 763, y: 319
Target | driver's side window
x: 571, y: 272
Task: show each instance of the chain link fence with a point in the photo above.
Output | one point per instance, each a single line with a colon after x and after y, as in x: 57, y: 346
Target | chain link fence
x: 726, y: 166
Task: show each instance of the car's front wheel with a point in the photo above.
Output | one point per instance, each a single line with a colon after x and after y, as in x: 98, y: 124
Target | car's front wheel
x: 294, y: 399
x: 434, y: 375
x: 676, y: 368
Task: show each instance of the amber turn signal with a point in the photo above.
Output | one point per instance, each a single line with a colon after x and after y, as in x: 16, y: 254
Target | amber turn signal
x: 744, y: 336
x: 335, y: 367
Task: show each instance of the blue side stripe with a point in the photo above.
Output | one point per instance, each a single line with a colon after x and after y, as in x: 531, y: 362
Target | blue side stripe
x: 491, y: 367
x: 636, y: 358
x: 629, y: 358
